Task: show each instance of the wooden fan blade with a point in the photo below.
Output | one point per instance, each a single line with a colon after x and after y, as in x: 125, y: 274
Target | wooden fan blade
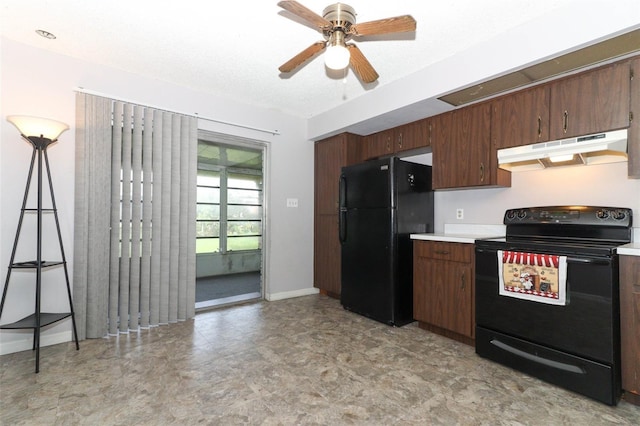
x: 304, y: 13
x: 397, y: 24
x: 302, y: 57
x: 361, y: 66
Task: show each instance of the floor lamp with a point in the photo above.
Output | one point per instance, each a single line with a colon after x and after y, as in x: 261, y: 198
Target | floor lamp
x: 40, y: 133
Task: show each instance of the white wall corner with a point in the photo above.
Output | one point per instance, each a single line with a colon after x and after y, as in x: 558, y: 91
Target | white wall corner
x: 271, y: 297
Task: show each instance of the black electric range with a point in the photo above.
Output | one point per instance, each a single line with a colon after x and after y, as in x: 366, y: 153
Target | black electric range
x: 547, y: 296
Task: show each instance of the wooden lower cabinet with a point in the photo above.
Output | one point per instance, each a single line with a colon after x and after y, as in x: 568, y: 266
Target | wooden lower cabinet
x: 633, y: 142
x: 630, y: 326
x: 326, y: 259
x: 443, y: 293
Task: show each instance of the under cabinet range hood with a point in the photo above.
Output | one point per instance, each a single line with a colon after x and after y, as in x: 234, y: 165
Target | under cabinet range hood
x: 599, y: 148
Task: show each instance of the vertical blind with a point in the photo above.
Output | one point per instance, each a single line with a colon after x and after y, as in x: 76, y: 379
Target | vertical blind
x: 135, y: 216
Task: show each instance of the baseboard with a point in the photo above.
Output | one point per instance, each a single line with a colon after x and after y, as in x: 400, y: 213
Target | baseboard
x: 27, y: 343
x: 271, y: 297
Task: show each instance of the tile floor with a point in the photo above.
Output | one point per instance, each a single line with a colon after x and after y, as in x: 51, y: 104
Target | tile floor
x: 296, y: 361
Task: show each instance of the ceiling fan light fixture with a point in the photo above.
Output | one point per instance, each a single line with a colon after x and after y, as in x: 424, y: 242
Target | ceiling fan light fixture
x: 338, y: 26
x: 337, y: 55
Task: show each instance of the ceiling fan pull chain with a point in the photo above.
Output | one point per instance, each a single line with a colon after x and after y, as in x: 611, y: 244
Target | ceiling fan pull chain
x: 344, y: 84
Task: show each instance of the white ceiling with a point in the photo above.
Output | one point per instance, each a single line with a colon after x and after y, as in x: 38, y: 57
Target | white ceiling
x: 233, y: 48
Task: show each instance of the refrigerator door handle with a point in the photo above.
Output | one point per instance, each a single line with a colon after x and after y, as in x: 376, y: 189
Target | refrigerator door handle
x: 342, y: 193
x: 342, y: 213
x: 342, y: 226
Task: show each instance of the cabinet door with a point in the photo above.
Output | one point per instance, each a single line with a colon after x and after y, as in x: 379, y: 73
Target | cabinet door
x: 412, y: 136
x: 521, y: 118
x: 379, y: 144
x: 326, y: 257
x: 443, y: 286
x: 633, y: 142
x: 591, y: 102
x: 630, y: 322
x: 330, y: 156
x: 462, y: 153
x: 443, y: 297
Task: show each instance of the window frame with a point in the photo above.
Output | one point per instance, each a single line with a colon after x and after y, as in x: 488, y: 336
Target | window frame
x: 224, y: 237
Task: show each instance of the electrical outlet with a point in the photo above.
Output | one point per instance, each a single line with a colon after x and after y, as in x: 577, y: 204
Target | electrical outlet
x: 459, y: 214
x: 292, y: 202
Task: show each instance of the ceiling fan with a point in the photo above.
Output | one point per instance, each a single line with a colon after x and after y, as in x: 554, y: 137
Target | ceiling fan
x: 338, y: 25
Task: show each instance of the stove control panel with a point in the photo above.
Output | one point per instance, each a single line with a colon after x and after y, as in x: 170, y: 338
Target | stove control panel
x: 578, y: 215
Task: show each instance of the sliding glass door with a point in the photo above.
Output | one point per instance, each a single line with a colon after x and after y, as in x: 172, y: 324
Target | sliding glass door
x: 230, y: 221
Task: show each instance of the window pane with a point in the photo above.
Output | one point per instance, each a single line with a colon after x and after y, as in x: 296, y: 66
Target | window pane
x: 207, y: 245
x: 243, y: 196
x: 208, y: 178
x: 208, y: 195
x: 207, y: 229
x: 238, y: 228
x: 243, y: 243
x: 237, y: 180
x: 244, y: 212
x: 208, y: 212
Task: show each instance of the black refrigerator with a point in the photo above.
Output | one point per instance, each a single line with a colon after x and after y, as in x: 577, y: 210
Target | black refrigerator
x: 382, y: 202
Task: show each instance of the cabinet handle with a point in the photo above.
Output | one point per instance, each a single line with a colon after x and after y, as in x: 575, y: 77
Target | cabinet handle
x: 463, y: 281
x: 388, y: 144
x: 481, y: 172
x: 565, y: 121
x: 400, y: 140
x: 430, y: 127
x: 442, y: 252
x: 539, y: 126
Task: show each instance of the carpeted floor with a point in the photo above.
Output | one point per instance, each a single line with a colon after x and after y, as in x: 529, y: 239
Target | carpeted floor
x: 224, y: 286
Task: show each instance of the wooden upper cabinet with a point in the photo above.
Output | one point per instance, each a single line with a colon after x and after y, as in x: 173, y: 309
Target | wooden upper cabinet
x: 330, y: 156
x: 379, y: 144
x: 590, y: 102
x: 463, y: 155
x: 398, y: 139
x: 413, y: 135
x: 521, y: 118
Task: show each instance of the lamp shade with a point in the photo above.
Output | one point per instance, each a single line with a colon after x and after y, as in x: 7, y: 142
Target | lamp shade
x: 337, y: 57
x: 37, y: 126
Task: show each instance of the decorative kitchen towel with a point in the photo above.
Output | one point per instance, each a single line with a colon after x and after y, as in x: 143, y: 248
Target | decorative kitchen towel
x: 532, y: 276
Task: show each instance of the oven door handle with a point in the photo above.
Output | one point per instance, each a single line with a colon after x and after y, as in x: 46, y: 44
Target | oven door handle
x: 537, y: 358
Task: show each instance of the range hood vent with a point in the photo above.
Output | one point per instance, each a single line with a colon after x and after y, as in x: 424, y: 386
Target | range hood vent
x: 599, y: 148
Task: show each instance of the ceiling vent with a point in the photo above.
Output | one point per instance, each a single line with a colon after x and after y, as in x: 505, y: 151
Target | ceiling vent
x: 604, y: 51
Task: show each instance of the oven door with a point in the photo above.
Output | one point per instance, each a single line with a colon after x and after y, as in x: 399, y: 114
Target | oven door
x: 575, y: 345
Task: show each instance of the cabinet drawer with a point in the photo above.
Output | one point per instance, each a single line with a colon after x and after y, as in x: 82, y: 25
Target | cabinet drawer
x: 453, y: 252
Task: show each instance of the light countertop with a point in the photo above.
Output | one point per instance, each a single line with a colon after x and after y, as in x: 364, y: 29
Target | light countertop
x: 633, y: 248
x: 463, y: 233
x: 468, y: 233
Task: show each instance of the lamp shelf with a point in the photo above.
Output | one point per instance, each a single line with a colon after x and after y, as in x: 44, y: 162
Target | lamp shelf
x: 33, y: 264
x: 46, y: 318
x: 42, y: 210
